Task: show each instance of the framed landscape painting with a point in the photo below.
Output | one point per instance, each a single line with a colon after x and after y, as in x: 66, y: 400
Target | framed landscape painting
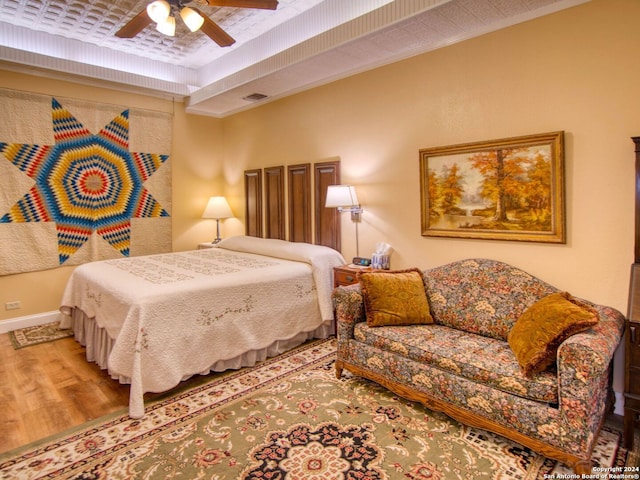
x: 507, y: 189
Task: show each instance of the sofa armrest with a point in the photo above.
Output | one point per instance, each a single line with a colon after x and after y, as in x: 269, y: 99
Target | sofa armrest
x: 589, y: 354
x: 584, y: 359
x: 349, y: 308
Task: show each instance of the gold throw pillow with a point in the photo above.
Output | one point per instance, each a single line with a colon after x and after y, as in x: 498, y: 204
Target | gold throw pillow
x: 539, y: 331
x: 394, y: 297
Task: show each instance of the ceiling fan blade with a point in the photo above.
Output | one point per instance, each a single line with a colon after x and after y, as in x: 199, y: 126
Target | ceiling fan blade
x: 264, y: 4
x: 135, y: 25
x: 214, y: 32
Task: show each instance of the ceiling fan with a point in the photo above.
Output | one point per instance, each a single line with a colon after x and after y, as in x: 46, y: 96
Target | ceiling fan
x: 163, y: 13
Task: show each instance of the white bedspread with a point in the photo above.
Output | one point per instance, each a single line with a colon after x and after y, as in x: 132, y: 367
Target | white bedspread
x: 175, y: 315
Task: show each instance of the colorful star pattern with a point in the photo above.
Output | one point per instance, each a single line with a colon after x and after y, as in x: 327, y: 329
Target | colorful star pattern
x: 85, y: 183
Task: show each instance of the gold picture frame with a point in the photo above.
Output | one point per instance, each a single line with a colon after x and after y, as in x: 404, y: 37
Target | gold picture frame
x: 506, y: 189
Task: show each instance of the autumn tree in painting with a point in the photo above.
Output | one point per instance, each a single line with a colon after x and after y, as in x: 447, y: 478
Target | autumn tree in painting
x: 451, y: 190
x: 515, y: 185
x: 539, y: 191
x: 502, y: 171
x: 434, y: 194
x: 445, y: 191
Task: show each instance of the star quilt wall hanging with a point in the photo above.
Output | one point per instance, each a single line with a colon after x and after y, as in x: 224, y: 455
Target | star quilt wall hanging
x: 81, y: 181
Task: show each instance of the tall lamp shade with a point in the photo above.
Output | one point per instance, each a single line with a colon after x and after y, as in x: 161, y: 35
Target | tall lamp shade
x: 344, y: 198
x: 218, y: 208
x: 341, y: 196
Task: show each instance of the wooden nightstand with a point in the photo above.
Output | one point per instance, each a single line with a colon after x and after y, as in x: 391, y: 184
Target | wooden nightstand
x: 347, y: 275
x: 206, y: 245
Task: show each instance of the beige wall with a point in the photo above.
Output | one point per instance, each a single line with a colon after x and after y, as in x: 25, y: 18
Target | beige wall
x: 571, y: 71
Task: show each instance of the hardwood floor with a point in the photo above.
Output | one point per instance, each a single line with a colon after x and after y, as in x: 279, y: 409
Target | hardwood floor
x: 48, y: 388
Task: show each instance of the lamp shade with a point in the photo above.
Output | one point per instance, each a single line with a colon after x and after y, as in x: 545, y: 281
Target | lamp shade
x: 217, y: 207
x: 191, y: 18
x: 159, y: 10
x: 168, y: 27
x: 341, y: 196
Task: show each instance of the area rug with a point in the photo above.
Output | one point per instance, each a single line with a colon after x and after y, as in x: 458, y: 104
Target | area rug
x: 25, y: 337
x: 287, y: 418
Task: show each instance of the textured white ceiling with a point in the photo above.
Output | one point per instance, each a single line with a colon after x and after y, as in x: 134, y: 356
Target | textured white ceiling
x: 302, y: 44
x: 96, y: 21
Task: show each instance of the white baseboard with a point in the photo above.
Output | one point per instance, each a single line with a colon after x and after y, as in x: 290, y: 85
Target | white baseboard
x: 619, y: 405
x: 28, y: 321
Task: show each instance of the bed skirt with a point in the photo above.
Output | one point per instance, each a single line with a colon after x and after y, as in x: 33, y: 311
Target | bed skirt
x: 98, y: 345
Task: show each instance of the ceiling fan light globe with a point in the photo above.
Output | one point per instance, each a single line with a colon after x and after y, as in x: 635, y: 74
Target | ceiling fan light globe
x: 191, y: 18
x: 168, y: 27
x: 159, y: 11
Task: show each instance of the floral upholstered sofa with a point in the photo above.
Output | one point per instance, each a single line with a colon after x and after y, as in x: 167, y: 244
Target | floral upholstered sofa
x: 461, y: 361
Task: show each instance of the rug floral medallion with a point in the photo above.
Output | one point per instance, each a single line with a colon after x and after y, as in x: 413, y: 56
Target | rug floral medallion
x: 287, y: 418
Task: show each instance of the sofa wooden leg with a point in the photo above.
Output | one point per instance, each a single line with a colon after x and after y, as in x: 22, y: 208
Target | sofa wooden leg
x: 582, y: 467
x: 339, y: 368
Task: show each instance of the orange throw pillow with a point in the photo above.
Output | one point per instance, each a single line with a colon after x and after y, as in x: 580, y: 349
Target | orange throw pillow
x: 394, y: 297
x: 541, y: 329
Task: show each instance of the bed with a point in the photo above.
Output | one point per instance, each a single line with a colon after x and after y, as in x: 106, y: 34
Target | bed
x: 153, y: 321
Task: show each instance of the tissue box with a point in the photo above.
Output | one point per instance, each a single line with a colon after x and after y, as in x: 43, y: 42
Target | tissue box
x: 380, y: 261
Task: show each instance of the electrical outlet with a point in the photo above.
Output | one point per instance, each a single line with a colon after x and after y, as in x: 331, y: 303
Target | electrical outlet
x: 12, y: 305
